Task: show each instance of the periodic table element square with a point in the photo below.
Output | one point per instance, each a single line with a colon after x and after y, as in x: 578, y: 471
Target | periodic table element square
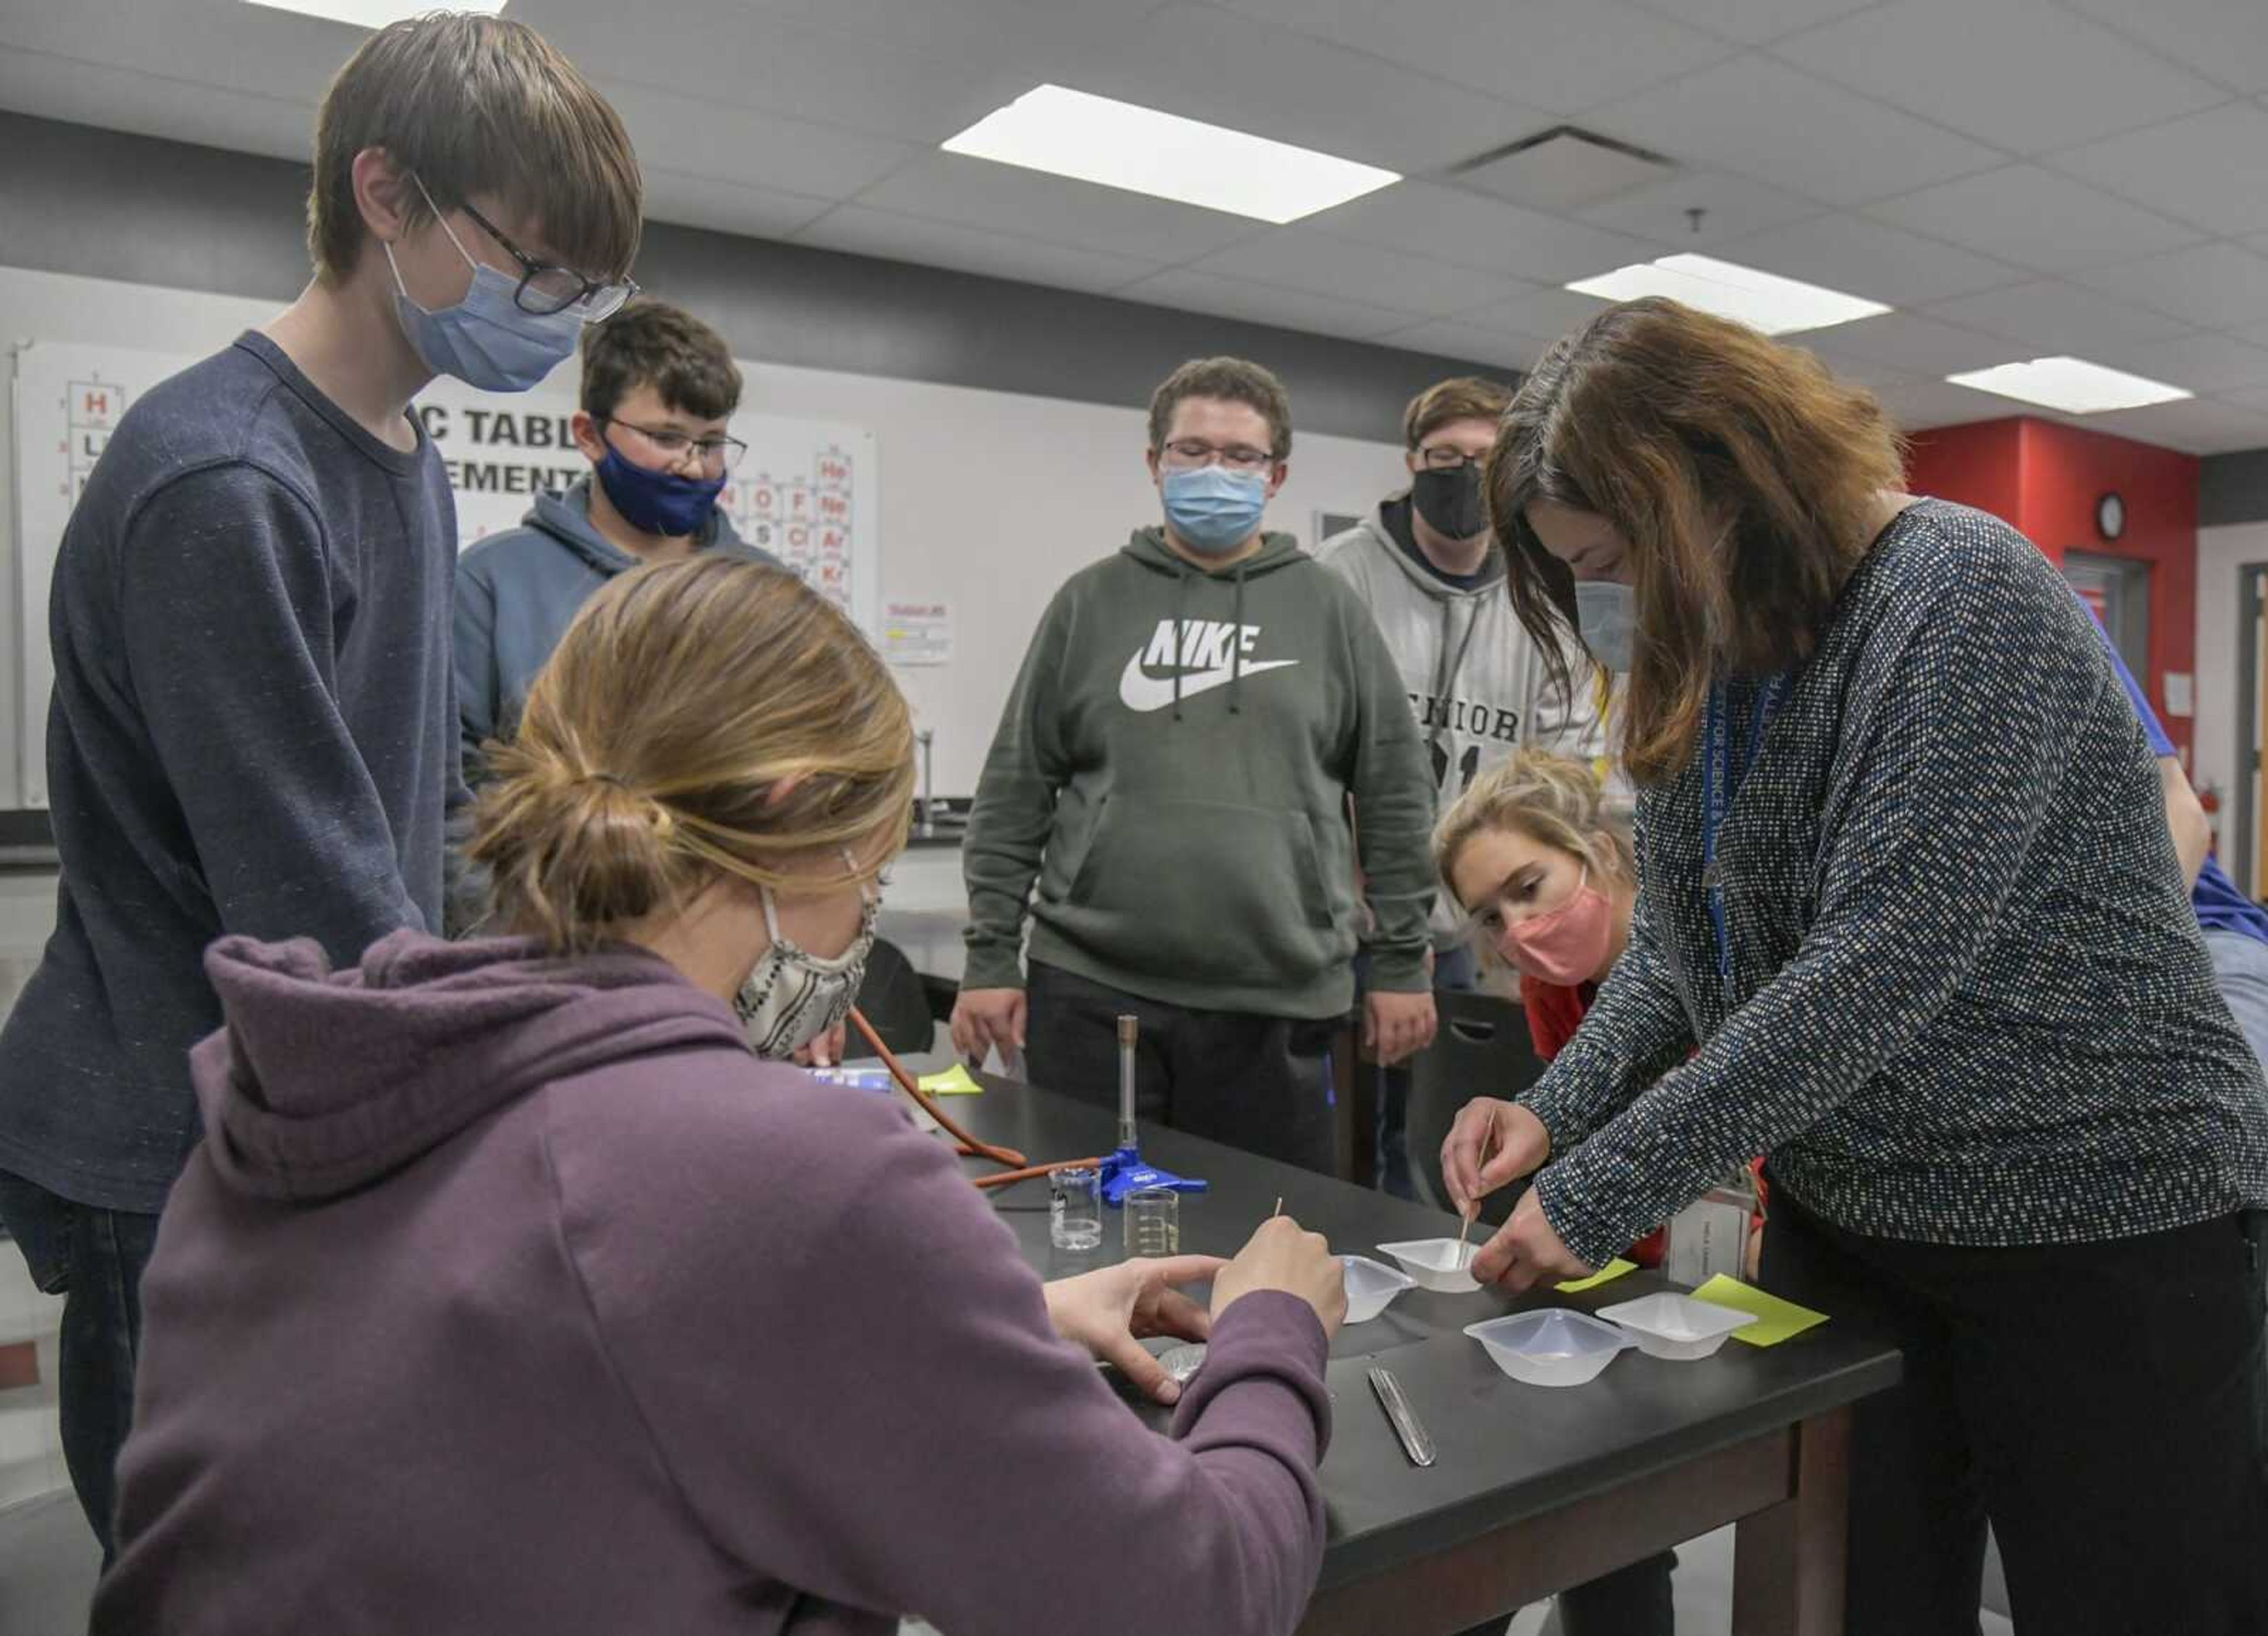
x: 835, y: 472
x: 93, y: 405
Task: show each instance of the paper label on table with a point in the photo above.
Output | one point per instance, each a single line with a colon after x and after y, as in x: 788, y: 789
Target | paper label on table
x: 954, y: 1081
x: 1777, y: 1320
x: 1607, y: 1274
x: 918, y: 633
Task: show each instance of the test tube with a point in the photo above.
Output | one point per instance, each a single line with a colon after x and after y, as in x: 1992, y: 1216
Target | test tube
x: 1128, y: 1025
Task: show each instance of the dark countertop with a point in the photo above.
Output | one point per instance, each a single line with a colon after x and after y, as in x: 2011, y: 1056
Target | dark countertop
x: 1508, y: 1450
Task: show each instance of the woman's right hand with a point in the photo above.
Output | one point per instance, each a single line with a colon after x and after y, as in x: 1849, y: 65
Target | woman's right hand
x: 1516, y: 1142
x: 1283, y: 1255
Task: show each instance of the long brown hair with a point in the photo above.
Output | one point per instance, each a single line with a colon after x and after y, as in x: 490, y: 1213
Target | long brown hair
x: 656, y: 741
x: 1743, y: 475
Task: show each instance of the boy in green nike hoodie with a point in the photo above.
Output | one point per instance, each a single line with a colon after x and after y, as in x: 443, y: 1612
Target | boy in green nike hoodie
x: 1173, y: 769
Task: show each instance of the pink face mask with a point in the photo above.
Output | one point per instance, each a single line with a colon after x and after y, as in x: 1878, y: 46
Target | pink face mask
x: 1567, y: 946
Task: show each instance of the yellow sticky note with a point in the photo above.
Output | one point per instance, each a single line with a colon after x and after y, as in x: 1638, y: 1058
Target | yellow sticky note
x: 954, y: 1081
x: 1607, y: 1274
x: 1776, y: 1319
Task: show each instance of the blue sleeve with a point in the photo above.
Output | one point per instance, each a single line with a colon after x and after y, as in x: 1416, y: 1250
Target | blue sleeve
x: 473, y: 647
x: 2161, y: 745
x: 225, y: 595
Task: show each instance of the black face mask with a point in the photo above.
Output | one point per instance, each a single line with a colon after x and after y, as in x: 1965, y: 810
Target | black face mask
x: 1450, y: 501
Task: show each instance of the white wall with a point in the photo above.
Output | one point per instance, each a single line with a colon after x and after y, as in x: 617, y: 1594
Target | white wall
x: 2222, y: 555
x: 988, y: 499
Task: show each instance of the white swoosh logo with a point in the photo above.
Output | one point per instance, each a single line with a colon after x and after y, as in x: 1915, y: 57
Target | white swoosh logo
x: 1139, y: 690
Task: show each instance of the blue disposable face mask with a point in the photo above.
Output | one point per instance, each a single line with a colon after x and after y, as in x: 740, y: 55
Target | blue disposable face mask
x: 485, y: 340
x: 1606, y: 615
x: 658, y: 501
x: 1214, y: 510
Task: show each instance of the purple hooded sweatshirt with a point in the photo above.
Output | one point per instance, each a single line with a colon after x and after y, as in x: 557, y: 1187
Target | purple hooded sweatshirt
x: 512, y: 1295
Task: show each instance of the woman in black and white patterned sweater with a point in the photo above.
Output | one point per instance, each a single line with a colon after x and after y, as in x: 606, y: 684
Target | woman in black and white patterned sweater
x: 1907, y: 884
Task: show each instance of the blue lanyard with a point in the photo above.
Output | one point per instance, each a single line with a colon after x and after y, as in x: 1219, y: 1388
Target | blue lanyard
x: 1721, y: 776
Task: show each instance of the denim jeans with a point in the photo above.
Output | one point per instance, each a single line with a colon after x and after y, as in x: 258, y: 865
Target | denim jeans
x: 2240, y: 964
x: 94, y: 1258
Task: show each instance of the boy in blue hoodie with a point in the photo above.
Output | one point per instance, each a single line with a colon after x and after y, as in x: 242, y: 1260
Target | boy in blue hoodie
x: 658, y: 390
x: 1173, y: 769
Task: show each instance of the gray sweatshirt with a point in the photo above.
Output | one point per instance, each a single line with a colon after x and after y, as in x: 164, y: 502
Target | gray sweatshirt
x: 1173, y: 771
x: 510, y: 1294
x: 1476, y: 682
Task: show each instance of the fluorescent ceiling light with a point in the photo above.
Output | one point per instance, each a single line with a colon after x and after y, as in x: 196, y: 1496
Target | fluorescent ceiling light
x: 2070, y: 384
x: 378, y: 13
x: 1122, y: 144
x: 1777, y: 305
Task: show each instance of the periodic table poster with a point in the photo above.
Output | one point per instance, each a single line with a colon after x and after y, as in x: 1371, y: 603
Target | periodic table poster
x: 805, y: 491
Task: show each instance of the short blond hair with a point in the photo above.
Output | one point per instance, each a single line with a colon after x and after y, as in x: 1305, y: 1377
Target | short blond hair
x: 656, y: 743
x: 1553, y: 800
x: 477, y: 104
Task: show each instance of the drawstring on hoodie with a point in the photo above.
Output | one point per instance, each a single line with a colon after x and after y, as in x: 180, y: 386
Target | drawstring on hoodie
x: 1236, y: 651
x: 1180, y: 590
x: 1446, y: 674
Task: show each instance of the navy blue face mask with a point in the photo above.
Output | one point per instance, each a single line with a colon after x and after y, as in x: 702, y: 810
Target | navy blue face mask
x: 658, y: 501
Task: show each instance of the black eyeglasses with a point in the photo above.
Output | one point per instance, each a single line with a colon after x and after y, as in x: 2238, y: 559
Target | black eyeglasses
x: 546, y: 287
x: 718, y: 453
x: 1442, y: 457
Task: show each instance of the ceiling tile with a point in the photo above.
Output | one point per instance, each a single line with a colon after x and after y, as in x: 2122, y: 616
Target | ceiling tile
x: 1564, y: 56
x: 1870, y: 258
x: 728, y: 52
x: 1915, y: 405
x: 1471, y: 230
x: 2224, y: 40
x: 2049, y: 317
x: 1194, y: 291
x: 2035, y: 219
x: 2026, y: 77
x: 1204, y: 64
x: 1303, y: 258
x: 2194, y: 425
x: 1776, y: 124
x: 2249, y: 397
x: 694, y: 137
x: 121, y: 99
x: 1548, y: 313
x: 1753, y: 22
x: 865, y: 231
x: 727, y: 206
x: 2209, y: 366
x: 259, y: 50
x: 1912, y: 345
x: 1730, y: 207
x: 1449, y: 338
x: 1865, y: 371
x: 2205, y: 170
x: 1005, y: 198
x: 2216, y: 286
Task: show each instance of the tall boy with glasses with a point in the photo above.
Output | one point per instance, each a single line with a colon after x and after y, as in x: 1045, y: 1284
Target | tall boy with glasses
x: 1173, y: 771
x: 659, y: 388
x: 254, y: 728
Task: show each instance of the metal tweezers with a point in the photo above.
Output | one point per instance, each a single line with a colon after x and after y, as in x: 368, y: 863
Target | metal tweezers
x: 1415, y: 1442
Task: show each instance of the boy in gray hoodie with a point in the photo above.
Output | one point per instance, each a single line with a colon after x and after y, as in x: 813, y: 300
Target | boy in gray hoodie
x: 1172, y: 768
x: 1431, y: 574
x: 659, y: 388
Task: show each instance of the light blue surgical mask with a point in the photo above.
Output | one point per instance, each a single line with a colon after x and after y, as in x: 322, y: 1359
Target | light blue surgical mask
x: 1214, y: 510
x: 485, y: 340
x: 1606, y: 615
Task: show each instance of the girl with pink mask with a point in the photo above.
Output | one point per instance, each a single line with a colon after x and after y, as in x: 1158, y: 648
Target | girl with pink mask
x: 1546, y: 874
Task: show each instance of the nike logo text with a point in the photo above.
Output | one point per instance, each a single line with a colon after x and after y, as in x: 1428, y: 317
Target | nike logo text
x: 1202, y: 651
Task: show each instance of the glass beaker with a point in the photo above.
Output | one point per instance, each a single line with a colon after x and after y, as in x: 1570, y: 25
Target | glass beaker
x: 1153, y: 1222
x: 1075, y: 1208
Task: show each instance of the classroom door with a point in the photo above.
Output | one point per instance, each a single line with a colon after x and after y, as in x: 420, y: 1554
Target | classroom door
x: 2250, y: 854
x: 2117, y: 588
